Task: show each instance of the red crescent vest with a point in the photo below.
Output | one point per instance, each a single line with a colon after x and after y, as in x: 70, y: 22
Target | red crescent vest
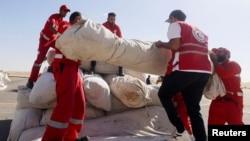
x: 193, y: 52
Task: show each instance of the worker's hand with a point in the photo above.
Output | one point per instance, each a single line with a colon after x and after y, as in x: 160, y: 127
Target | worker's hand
x: 158, y: 44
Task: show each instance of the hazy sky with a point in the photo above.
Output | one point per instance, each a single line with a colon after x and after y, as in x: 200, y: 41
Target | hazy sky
x: 226, y: 22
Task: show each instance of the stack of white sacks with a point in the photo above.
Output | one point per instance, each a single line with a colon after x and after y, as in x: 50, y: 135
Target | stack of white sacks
x: 116, y: 105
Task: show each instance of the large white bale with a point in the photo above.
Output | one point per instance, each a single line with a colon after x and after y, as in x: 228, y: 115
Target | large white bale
x: 33, y: 134
x: 91, y: 113
x: 153, y: 94
x: 50, y: 56
x: 87, y: 40
x: 100, y: 67
x: 150, y: 121
x: 140, y: 75
x: 23, y: 100
x: 130, y: 90
x: 117, y: 106
x: 97, y: 91
x: 23, y: 119
x: 44, y: 90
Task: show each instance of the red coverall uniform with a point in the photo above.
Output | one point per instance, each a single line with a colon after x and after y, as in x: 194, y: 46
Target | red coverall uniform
x: 113, y: 28
x: 229, y: 108
x: 47, y: 40
x: 67, y: 118
x: 63, y: 26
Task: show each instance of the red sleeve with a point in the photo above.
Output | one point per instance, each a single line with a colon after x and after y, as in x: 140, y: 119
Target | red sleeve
x: 228, y: 69
x: 119, y: 33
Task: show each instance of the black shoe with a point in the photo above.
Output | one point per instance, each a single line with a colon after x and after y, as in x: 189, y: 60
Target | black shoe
x: 176, y: 134
x: 85, y: 138
x: 29, y: 85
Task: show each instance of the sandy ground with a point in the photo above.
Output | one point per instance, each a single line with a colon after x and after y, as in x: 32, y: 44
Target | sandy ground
x: 8, y: 103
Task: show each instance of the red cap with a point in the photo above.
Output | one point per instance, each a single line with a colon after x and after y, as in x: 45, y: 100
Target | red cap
x: 64, y: 8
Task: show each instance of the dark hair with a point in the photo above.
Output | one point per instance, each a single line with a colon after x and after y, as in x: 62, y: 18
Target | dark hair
x: 74, y: 15
x: 178, y: 14
x: 111, y: 14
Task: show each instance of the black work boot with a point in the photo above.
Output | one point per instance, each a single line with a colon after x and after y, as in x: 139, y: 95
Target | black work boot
x: 85, y: 138
x: 29, y: 84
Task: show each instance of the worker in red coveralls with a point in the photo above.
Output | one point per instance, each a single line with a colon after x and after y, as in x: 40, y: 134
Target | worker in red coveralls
x: 114, y: 28
x: 47, y: 39
x: 229, y: 108
x: 68, y: 115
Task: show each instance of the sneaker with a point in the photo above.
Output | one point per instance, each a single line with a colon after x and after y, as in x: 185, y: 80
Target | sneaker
x: 29, y: 84
x: 85, y: 138
x: 176, y: 134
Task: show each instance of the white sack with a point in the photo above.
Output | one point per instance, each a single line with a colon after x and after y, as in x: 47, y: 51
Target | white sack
x: 87, y: 40
x: 97, y: 91
x: 214, y: 87
x: 93, y: 112
x: 149, y: 121
x: 101, y: 67
x: 50, y: 56
x: 33, y: 134
x: 140, y: 75
x: 23, y: 119
x: 130, y: 90
x: 44, y: 90
x: 153, y: 94
x: 117, y: 106
x: 23, y: 100
x: 46, y: 114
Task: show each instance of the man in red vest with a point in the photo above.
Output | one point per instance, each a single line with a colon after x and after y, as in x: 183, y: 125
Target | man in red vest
x: 190, y: 71
x: 48, y: 35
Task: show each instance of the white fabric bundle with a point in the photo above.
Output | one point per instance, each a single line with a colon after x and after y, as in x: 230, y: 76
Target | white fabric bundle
x: 97, y: 91
x: 44, y: 90
x: 153, y: 94
x: 130, y: 90
x: 50, y: 56
x: 23, y: 119
x: 87, y: 40
x: 23, y: 100
x: 214, y: 87
x: 33, y: 134
x: 140, y: 75
x: 150, y: 121
x: 100, y: 67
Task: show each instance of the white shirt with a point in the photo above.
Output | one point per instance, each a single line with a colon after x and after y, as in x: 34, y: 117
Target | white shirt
x: 174, y: 31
